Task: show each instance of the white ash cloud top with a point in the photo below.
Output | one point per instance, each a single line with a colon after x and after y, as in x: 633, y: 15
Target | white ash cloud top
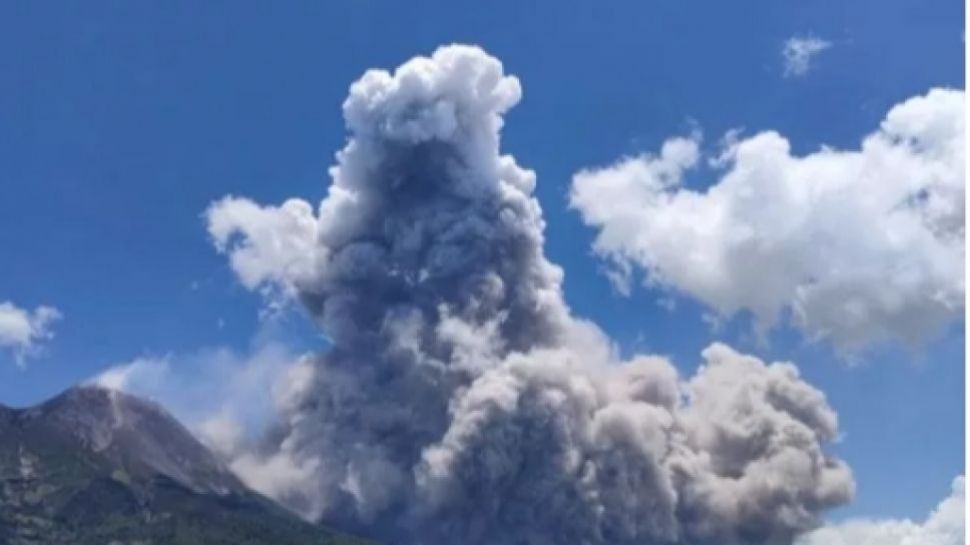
x: 460, y: 401
x: 857, y: 246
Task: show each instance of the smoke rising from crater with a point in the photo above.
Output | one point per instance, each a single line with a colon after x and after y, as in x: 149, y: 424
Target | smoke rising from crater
x: 460, y: 400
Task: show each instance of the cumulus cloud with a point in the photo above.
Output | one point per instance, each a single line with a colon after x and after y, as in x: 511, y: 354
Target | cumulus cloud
x: 799, y: 52
x: 858, y: 246
x: 22, y: 331
x: 461, y: 401
x: 944, y: 526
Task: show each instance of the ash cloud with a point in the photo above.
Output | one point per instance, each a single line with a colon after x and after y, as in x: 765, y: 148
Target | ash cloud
x: 460, y: 400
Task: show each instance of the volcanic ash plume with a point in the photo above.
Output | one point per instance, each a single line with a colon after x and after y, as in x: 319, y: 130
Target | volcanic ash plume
x: 460, y: 402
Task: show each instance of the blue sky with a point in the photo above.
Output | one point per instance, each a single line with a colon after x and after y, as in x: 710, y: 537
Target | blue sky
x: 120, y: 124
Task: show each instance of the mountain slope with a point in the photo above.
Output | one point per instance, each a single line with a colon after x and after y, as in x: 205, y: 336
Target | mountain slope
x: 95, y: 466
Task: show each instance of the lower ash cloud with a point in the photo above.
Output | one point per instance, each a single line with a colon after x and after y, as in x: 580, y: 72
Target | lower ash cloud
x: 460, y: 401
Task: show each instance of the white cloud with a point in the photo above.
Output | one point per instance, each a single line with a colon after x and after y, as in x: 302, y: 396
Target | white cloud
x: 858, y: 246
x: 944, y: 526
x: 21, y: 330
x: 799, y: 52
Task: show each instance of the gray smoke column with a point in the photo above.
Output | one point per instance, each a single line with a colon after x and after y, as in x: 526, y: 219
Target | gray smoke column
x: 460, y: 402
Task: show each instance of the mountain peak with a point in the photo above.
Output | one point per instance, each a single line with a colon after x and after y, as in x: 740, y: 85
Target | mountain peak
x: 112, y: 407
x: 93, y: 397
x: 137, y: 434
x: 95, y: 465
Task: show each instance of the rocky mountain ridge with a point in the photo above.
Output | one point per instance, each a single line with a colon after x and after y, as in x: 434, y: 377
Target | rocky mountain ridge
x: 97, y: 466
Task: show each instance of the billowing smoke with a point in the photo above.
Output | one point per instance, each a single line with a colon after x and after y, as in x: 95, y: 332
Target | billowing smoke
x: 460, y: 402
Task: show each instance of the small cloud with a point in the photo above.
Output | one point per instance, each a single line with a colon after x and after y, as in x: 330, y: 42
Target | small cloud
x: 799, y: 52
x: 21, y: 330
x: 714, y: 321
